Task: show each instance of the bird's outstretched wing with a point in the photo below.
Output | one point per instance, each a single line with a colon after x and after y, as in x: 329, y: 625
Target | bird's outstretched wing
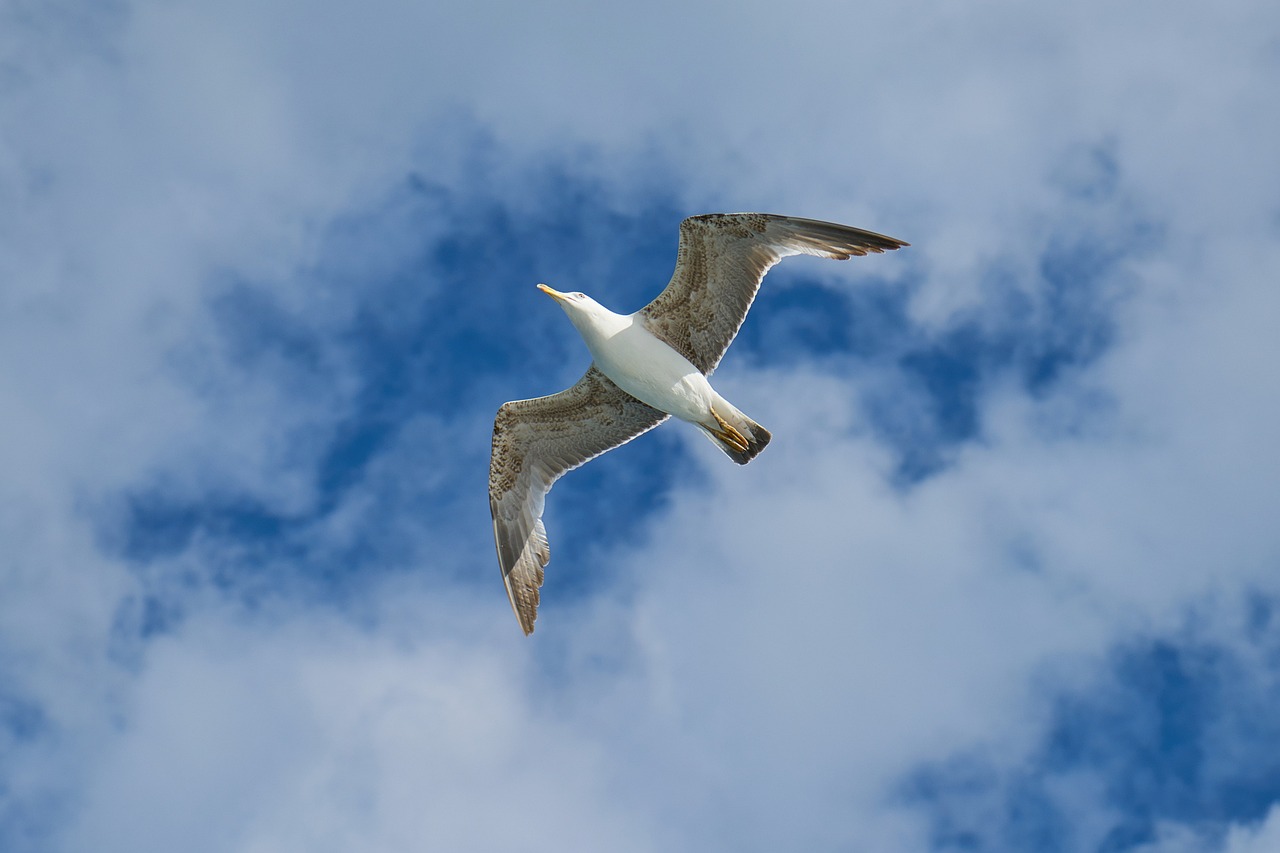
x: 534, y: 443
x: 722, y: 258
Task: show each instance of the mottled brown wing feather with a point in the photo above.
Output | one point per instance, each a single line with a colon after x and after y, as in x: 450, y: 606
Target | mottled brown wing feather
x: 534, y: 443
x: 722, y: 258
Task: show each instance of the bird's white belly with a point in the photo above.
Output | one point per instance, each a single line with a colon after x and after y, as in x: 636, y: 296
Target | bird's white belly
x: 652, y: 372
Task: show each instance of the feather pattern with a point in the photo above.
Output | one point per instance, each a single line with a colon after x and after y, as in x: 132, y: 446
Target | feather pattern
x: 721, y: 261
x: 534, y: 443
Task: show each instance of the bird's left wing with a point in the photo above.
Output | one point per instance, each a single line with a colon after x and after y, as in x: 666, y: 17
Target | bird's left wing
x: 534, y: 443
x: 721, y: 260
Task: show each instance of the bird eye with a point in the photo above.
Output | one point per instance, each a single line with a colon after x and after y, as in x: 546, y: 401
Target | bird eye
x: 577, y: 294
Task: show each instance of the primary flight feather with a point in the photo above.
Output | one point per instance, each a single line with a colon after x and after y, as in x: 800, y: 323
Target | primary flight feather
x: 647, y: 366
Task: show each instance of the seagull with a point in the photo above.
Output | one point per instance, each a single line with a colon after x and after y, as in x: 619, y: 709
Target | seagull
x: 646, y: 367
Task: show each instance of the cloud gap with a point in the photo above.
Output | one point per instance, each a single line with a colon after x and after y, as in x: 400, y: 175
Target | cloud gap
x: 1164, y: 736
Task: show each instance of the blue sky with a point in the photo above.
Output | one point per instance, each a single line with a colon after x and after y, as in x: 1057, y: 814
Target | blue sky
x: 1005, y: 579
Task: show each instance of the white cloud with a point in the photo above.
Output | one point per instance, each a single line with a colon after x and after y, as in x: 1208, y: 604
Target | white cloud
x: 1254, y: 839
x: 795, y: 635
x: 311, y: 734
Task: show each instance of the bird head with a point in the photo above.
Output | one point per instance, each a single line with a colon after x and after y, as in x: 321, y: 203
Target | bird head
x: 567, y: 300
x: 577, y: 305
x: 593, y: 320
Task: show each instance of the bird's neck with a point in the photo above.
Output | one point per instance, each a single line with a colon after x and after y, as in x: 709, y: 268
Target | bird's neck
x: 599, y: 326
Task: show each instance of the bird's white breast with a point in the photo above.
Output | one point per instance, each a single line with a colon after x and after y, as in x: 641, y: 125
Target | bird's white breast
x: 651, y: 371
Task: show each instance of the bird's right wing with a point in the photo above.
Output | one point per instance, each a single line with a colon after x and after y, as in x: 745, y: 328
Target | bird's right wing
x: 534, y: 443
x: 722, y: 258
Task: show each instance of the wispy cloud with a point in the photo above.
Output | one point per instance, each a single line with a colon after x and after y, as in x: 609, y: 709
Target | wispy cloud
x: 1004, y: 578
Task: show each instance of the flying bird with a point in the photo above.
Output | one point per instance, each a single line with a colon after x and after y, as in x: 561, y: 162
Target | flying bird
x: 646, y: 367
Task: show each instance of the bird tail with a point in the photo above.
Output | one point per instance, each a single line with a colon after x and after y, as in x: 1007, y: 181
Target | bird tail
x: 737, y: 435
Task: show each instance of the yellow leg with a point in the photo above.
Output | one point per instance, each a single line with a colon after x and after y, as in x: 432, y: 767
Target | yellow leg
x: 729, y: 435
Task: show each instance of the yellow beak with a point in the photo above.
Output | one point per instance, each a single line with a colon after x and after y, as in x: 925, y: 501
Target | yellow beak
x: 554, y: 294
